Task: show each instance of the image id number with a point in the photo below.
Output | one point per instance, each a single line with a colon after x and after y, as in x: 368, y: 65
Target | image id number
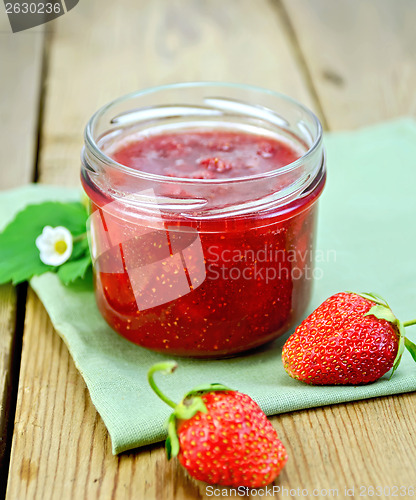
x: 33, y: 8
x: 387, y: 491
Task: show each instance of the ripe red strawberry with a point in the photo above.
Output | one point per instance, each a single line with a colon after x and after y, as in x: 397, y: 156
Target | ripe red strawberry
x: 222, y: 436
x: 349, y: 339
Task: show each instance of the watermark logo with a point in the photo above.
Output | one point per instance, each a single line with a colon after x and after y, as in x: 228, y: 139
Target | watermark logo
x: 267, y: 264
x: 26, y: 14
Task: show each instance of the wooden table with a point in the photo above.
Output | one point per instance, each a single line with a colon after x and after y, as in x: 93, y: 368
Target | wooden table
x: 352, y: 61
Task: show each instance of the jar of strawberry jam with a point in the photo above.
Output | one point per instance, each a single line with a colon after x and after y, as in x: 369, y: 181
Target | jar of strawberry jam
x: 203, y: 215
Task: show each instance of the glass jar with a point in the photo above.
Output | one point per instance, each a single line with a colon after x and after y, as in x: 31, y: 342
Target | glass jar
x: 202, y: 267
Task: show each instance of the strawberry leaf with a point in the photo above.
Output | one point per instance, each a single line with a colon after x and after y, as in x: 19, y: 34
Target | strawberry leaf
x: 400, y: 350
x: 168, y: 448
x: 207, y: 388
x: 399, y: 355
x: 373, y: 297
x: 411, y: 347
x: 19, y: 256
x: 382, y: 312
x: 190, y: 407
x: 172, y: 441
x: 72, y: 270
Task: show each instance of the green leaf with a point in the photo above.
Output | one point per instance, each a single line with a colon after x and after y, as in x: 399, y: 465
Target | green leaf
x: 411, y: 347
x: 400, y: 350
x: 168, y: 448
x: 190, y: 407
x: 207, y: 388
x: 396, y: 364
x: 72, y: 270
x: 80, y: 248
x: 19, y: 256
x: 382, y: 312
x: 172, y: 441
x: 373, y: 297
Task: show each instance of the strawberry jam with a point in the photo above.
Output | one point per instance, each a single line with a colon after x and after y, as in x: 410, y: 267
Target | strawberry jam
x: 201, y: 235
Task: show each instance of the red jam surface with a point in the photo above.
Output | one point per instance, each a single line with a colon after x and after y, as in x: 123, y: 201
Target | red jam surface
x: 256, y: 274
x: 206, y: 155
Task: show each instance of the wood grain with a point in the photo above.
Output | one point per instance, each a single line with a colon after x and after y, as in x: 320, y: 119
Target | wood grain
x: 361, y: 57
x: 8, y: 299
x: 104, y: 50
x: 61, y: 448
x: 21, y: 63
x: 21, y: 66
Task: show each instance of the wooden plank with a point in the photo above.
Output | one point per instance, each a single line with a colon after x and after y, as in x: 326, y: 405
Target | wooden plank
x: 61, y: 449
x: 21, y: 66
x: 361, y: 57
x: 21, y: 63
x: 131, y: 45
x: 366, y: 443
x: 8, y: 299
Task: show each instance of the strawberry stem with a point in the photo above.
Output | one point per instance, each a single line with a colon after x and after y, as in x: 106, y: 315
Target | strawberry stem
x: 409, y: 323
x: 166, y: 367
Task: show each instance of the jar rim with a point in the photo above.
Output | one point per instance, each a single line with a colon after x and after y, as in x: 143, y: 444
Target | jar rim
x: 95, y: 150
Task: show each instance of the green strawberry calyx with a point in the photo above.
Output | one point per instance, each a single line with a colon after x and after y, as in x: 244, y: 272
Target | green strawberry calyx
x: 383, y: 311
x: 190, y: 405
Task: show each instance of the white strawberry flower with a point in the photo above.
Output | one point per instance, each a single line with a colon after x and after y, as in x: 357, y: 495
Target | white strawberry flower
x: 55, y: 245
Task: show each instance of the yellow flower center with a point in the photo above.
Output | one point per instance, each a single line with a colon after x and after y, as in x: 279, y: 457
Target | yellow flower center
x: 61, y: 247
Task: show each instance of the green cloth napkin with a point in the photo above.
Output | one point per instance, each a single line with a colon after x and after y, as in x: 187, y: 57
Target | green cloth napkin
x: 367, y: 216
